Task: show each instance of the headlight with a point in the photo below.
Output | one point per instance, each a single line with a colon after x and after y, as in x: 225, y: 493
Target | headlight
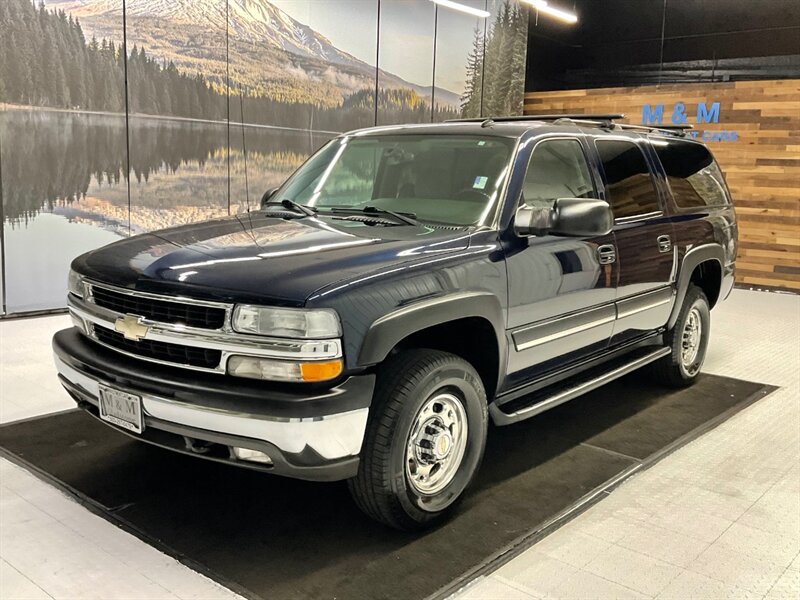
x: 286, y: 322
x: 75, y: 284
x: 280, y: 370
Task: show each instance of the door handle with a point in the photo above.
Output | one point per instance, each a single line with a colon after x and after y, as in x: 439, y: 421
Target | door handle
x: 664, y: 243
x: 606, y: 254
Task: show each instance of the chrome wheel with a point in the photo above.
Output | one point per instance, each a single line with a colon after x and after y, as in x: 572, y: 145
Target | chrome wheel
x: 690, y: 341
x: 436, y: 444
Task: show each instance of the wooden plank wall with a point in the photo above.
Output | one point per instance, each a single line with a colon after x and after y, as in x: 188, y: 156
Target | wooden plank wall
x: 762, y: 167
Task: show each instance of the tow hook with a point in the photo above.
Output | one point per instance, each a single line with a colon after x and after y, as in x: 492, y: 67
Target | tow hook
x: 198, y: 446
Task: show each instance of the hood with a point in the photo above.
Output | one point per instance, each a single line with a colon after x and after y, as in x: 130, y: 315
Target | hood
x: 254, y: 258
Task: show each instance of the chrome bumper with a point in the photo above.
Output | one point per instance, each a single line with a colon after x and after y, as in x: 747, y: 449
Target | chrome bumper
x: 298, y: 447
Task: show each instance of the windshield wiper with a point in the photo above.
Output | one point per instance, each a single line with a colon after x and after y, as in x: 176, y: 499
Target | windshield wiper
x: 407, y: 218
x: 307, y: 211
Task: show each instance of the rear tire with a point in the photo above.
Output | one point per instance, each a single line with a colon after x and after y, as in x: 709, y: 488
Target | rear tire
x: 688, y: 340
x: 424, y: 441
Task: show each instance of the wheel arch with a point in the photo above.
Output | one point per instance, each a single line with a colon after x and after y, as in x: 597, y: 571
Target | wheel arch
x: 468, y: 324
x: 701, y: 266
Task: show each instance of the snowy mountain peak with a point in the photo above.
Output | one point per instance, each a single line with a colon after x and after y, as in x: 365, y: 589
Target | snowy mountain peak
x: 191, y: 32
x: 254, y: 21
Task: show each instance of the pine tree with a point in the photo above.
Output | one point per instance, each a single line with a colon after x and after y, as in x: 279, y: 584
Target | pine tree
x: 491, y: 58
x: 62, y: 97
x: 504, y: 66
x: 471, y: 99
x: 19, y: 77
x: 3, y: 54
x: 517, y: 89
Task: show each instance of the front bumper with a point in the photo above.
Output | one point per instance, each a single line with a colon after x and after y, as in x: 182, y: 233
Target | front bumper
x: 314, y: 434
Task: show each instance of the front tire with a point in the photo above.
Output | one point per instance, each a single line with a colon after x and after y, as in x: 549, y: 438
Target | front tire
x: 688, y: 340
x: 424, y: 441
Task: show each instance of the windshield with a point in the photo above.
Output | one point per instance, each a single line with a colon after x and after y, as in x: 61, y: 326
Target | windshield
x: 440, y: 179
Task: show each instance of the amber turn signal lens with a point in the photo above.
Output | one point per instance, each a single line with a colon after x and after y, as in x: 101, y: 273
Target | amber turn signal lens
x: 320, y: 371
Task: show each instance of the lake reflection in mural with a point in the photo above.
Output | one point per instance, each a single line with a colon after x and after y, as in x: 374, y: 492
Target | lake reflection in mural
x: 293, y: 70
x: 65, y: 189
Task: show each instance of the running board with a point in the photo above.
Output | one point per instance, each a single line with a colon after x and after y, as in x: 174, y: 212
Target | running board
x: 542, y: 401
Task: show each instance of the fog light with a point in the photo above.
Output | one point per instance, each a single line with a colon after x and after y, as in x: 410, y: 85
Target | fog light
x: 279, y: 370
x: 251, y: 455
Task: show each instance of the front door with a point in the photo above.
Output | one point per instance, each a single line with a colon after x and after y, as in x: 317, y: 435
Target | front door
x: 561, y: 290
x: 644, y: 237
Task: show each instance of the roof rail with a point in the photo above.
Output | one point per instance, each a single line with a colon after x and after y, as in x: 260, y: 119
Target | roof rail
x: 593, y: 120
x: 604, y: 117
x: 676, y: 130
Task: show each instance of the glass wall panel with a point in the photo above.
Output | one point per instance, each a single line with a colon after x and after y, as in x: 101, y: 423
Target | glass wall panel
x: 62, y: 130
x: 300, y: 70
x: 304, y: 64
x: 501, y: 84
x: 459, y: 46
x: 177, y: 67
x: 272, y: 154
x: 405, y: 77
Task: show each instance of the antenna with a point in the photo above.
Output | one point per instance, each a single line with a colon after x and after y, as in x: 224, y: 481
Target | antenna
x: 244, y: 147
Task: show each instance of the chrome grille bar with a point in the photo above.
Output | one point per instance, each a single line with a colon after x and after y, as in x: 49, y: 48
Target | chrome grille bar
x: 225, y: 340
x: 158, y: 309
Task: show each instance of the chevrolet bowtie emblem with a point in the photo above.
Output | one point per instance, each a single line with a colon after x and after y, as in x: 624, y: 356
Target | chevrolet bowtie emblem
x: 131, y: 327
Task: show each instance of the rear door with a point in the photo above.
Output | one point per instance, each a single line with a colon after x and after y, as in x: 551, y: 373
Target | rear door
x: 645, y: 245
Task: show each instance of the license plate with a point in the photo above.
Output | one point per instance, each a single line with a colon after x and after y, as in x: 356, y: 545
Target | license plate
x: 121, y: 408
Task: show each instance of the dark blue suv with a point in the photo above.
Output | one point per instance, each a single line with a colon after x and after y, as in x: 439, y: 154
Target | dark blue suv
x: 406, y: 285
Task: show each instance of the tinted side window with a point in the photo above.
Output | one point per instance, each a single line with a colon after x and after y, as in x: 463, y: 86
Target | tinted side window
x: 630, y: 187
x: 557, y: 169
x: 694, y: 177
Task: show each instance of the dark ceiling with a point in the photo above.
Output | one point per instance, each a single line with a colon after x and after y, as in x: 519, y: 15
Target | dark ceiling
x: 619, y: 42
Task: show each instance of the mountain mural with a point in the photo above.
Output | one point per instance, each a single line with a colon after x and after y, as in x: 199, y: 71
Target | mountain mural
x: 102, y: 140
x: 269, y: 50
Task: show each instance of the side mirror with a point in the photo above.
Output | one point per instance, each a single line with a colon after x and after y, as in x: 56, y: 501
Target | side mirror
x: 577, y: 217
x: 268, y: 196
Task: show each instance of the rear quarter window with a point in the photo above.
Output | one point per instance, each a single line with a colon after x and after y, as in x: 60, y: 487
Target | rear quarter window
x: 629, y: 184
x: 694, y: 177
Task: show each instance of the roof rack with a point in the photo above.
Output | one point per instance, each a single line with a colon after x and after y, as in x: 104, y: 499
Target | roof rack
x: 670, y: 129
x: 608, y: 117
x: 605, y: 121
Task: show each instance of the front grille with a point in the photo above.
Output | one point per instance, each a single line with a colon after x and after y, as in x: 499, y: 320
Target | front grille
x: 162, y: 351
x: 163, y: 311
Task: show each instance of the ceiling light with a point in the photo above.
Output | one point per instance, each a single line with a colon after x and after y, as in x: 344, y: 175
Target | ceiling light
x: 562, y: 15
x: 463, y: 8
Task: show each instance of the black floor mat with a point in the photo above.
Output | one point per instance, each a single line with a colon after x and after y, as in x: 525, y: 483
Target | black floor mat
x: 276, y: 538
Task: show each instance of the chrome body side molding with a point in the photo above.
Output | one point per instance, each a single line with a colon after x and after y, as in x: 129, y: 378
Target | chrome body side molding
x: 627, y: 307
x: 561, y: 327
x: 654, y: 305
